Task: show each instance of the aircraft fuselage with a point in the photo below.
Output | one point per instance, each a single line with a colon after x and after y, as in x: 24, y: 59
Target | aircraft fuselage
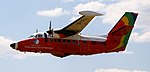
x: 65, y: 47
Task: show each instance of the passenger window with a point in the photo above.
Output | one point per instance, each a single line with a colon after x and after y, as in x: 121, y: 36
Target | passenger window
x: 94, y: 42
x: 68, y: 41
x: 84, y: 42
x: 55, y: 40
x: 64, y: 40
x: 102, y: 43
x: 40, y: 36
x: 58, y: 40
x: 73, y: 41
x: 51, y: 39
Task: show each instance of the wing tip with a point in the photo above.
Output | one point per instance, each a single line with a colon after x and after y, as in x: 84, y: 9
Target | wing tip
x: 90, y: 13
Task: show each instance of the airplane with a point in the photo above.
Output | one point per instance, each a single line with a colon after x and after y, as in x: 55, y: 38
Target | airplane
x: 68, y: 41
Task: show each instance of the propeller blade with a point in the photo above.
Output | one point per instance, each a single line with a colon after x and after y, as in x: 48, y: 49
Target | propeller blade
x: 36, y: 30
x: 50, y: 31
x: 50, y: 27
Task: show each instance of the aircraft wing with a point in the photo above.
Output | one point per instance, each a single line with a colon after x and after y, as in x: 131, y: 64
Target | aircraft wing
x: 79, y: 24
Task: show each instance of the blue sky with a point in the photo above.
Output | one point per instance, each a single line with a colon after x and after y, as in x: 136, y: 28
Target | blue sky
x: 20, y: 18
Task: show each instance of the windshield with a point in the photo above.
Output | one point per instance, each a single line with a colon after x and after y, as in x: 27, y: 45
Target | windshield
x: 36, y: 36
x: 39, y: 36
x: 31, y: 36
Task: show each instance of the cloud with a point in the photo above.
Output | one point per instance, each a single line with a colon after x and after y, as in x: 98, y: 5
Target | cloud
x: 141, y: 37
x: 113, y: 12
x: 7, y: 51
x: 89, y: 6
x: 52, y: 13
x: 92, y: 6
x: 116, y: 10
x: 117, y: 70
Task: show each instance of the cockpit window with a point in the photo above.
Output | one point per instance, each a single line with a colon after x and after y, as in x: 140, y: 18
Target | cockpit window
x: 31, y: 36
x: 39, y: 36
x: 36, y: 36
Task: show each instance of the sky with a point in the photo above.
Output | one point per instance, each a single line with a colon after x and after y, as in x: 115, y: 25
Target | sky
x: 20, y: 18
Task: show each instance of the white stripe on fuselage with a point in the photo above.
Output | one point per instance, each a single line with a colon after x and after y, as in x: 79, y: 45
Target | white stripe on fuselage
x: 89, y: 38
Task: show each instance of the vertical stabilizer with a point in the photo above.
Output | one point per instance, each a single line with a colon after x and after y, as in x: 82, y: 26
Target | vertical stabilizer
x: 122, y: 30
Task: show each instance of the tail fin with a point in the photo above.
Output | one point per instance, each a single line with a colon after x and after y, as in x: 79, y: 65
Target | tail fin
x: 122, y: 30
x: 124, y: 25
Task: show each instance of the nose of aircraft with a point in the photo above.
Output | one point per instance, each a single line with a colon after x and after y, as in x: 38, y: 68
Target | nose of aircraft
x: 13, y: 45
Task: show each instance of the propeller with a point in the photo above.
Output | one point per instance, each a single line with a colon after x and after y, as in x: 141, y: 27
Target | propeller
x: 50, y: 25
x: 50, y: 31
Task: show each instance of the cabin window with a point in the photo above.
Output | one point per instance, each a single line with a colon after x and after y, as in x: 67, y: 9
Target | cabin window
x: 68, y: 41
x: 84, y: 42
x: 55, y: 40
x: 58, y: 40
x: 51, y: 39
x: 73, y: 41
x: 102, y: 43
x: 78, y: 43
x: 39, y: 36
x: 64, y: 40
x: 94, y: 42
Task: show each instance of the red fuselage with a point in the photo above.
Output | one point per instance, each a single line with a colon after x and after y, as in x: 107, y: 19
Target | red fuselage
x: 65, y: 47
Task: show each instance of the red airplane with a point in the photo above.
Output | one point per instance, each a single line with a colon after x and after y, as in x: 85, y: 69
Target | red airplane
x: 67, y: 41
